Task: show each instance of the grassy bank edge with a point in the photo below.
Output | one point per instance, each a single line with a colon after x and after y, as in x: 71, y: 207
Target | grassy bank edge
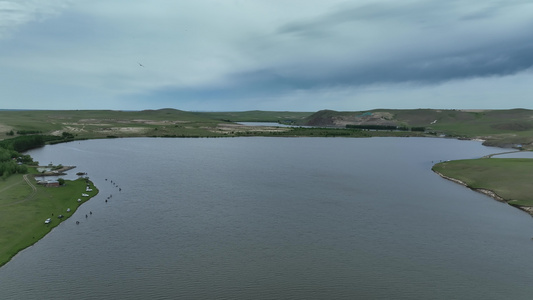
x: 486, y: 192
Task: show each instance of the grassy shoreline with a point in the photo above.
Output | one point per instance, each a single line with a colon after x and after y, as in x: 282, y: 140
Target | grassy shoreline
x: 506, y: 180
x: 25, y: 205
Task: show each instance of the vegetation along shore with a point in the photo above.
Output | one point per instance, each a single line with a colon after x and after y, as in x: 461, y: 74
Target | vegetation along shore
x: 24, y: 205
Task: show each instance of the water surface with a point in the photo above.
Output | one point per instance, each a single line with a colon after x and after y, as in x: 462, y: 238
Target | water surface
x: 276, y: 218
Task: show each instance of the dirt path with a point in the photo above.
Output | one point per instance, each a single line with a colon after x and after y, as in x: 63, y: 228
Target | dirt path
x: 29, y: 182
x: 491, y: 155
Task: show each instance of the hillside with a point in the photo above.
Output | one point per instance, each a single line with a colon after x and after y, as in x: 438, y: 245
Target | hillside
x: 507, y: 128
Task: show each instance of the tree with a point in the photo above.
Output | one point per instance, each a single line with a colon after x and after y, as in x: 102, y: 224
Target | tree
x: 67, y: 135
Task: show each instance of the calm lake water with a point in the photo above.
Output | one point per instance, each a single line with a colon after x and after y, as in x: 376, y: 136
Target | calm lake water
x: 276, y: 218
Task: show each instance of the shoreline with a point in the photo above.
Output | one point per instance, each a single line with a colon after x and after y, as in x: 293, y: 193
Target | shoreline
x: 487, y: 192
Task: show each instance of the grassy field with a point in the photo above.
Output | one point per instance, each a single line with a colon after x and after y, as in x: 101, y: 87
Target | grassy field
x: 509, y: 178
x: 24, y: 209
x: 94, y: 124
x: 504, y: 128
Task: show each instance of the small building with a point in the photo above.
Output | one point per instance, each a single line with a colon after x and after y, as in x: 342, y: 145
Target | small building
x: 49, y: 183
x: 54, y: 183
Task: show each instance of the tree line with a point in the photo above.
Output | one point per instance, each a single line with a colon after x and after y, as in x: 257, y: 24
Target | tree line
x: 385, y: 127
x: 24, y: 132
x: 11, y: 159
x: 23, y: 143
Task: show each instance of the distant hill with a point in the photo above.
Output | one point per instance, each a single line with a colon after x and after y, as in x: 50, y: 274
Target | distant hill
x: 512, y: 127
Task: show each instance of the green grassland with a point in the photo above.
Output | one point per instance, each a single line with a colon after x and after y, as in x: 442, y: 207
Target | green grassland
x: 509, y: 178
x: 94, y: 124
x: 503, y: 128
x: 23, y: 210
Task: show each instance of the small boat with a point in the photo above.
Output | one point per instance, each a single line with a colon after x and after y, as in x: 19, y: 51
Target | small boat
x: 85, y: 195
x: 60, y: 216
x: 47, y: 221
x: 68, y: 209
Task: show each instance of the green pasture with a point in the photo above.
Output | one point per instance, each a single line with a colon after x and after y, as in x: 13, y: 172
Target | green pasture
x: 504, y: 128
x: 23, y: 211
x: 510, y: 178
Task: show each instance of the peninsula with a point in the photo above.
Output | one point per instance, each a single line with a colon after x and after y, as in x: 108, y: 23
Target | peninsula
x: 25, y: 207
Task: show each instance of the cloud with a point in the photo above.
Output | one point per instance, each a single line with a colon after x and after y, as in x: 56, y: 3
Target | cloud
x: 317, y: 55
x: 17, y: 13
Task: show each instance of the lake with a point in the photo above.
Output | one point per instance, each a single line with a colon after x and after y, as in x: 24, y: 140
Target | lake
x: 275, y: 218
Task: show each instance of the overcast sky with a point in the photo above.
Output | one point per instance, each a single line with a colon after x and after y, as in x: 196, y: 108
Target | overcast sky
x: 234, y: 55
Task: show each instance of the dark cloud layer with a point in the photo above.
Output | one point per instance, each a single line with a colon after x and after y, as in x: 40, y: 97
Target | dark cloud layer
x: 497, y: 60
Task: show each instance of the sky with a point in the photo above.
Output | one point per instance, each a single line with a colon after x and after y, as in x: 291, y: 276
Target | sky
x: 290, y: 55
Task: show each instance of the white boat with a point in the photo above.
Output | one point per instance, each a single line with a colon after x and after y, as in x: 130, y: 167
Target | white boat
x: 85, y: 195
x: 48, y: 221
